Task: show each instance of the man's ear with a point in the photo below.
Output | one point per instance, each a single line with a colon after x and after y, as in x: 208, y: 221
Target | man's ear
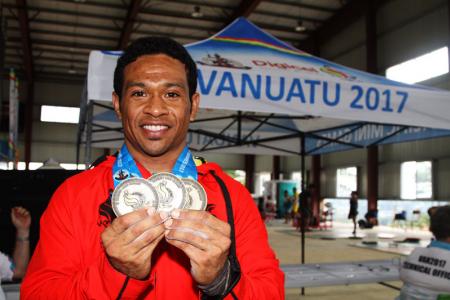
x: 195, y: 103
x: 116, y: 104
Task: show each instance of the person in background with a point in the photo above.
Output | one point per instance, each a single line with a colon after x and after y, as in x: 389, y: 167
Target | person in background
x: 287, y: 205
x: 353, y: 213
x: 426, y: 271
x: 295, y: 209
x: 431, y: 210
x: 16, y: 268
x: 305, y: 200
x: 261, y: 207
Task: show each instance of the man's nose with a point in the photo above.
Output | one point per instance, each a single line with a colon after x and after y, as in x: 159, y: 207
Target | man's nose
x: 156, y: 106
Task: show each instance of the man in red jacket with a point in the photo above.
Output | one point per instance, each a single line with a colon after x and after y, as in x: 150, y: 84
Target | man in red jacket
x: 85, y: 252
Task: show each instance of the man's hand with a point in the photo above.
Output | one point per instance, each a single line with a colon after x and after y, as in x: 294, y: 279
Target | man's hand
x: 21, y: 219
x: 130, y: 240
x: 203, y: 238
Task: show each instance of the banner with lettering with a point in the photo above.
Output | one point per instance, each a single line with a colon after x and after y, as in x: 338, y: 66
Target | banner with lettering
x: 243, y: 68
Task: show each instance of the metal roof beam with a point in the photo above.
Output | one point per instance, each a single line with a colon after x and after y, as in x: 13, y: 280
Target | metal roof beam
x: 61, y: 44
x: 114, y: 30
x: 117, y: 19
x: 244, y: 10
x: 171, y: 24
x: 349, y: 14
x: 107, y: 4
x: 181, y: 15
x: 284, y: 16
x: 200, y: 3
x: 65, y: 12
x: 280, y: 28
x: 306, y: 6
x: 39, y: 76
x: 41, y: 68
x: 72, y: 24
x: 69, y: 61
x: 346, y: 16
x: 371, y: 38
x: 38, y: 50
x: 69, y: 45
x: 22, y: 16
x: 128, y: 24
x: 56, y: 59
x: 61, y: 77
x: 70, y: 34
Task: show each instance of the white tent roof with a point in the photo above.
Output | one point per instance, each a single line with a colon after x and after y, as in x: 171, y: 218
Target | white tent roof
x: 263, y: 94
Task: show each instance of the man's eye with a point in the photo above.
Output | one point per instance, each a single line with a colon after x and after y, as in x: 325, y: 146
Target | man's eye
x: 172, y: 94
x: 138, y: 94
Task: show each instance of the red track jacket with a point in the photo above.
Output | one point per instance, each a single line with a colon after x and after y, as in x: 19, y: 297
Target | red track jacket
x: 70, y: 263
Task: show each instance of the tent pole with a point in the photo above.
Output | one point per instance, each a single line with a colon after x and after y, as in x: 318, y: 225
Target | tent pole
x: 302, y: 209
x: 239, y: 128
x: 78, y: 151
x: 81, y: 123
x: 88, y: 145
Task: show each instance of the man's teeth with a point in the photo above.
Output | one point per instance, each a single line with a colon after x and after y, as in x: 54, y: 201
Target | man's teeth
x: 155, y: 127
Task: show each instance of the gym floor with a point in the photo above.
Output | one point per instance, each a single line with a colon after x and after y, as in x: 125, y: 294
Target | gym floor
x: 334, y: 245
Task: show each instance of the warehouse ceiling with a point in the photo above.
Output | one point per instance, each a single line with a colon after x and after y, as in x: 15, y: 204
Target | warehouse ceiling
x: 51, y: 40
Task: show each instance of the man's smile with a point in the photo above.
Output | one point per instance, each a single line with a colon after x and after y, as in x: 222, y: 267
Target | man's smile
x: 155, y: 128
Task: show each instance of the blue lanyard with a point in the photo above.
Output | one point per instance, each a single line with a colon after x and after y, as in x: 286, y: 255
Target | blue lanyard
x: 185, y: 165
x: 125, y: 167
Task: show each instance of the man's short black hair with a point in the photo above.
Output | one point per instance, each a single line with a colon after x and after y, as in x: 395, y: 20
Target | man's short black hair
x: 155, y: 45
x: 439, y: 222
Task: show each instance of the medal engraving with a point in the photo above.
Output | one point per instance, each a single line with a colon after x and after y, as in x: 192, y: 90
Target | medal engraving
x: 197, y: 195
x: 171, y: 191
x: 133, y: 194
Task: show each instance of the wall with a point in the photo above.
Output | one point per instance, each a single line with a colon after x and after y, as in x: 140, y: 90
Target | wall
x: 406, y: 29
x: 54, y: 140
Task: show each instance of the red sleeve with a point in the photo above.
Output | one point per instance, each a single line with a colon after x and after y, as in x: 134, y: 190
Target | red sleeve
x: 57, y: 271
x: 261, y: 276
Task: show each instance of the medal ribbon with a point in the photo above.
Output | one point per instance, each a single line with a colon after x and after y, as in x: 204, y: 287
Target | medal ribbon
x: 185, y: 166
x: 125, y: 167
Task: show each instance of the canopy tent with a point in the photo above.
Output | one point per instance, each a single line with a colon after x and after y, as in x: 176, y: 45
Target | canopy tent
x: 260, y: 95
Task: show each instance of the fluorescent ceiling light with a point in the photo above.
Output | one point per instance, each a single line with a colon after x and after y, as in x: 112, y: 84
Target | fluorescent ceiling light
x: 300, y: 27
x: 197, y: 13
x: 60, y: 114
x: 421, y: 68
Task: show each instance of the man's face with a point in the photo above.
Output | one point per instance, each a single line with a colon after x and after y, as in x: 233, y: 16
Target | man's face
x: 155, y: 108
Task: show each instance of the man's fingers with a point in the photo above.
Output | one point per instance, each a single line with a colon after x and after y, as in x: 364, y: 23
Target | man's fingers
x: 188, y: 236
x: 116, y: 246
x: 127, y: 228
x: 197, y: 227
x: 145, y: 252
x: 152, y: 224
x: 152, y: 245
x: 149, y: 237
x: 122, y: 223
x: 204, y: 217
x: 191, y: 251
x: 197, y: 238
